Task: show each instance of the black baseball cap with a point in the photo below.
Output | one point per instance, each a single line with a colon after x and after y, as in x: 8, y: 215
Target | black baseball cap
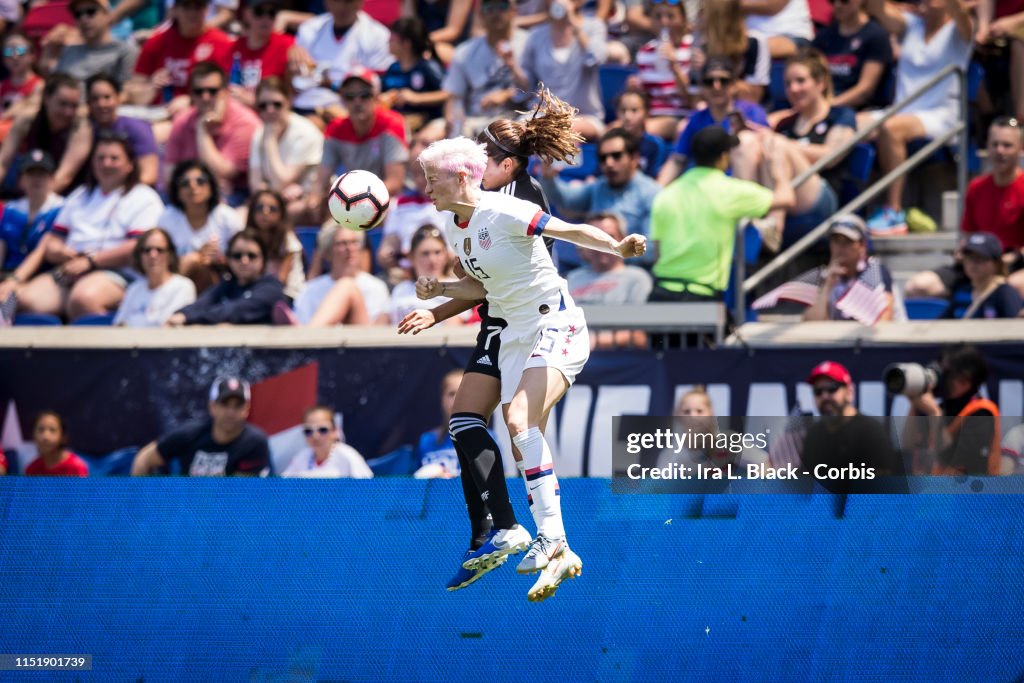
x: 708, y: 145
x: 37, y: 160
x: 984, y: 244
x: 230, y: 387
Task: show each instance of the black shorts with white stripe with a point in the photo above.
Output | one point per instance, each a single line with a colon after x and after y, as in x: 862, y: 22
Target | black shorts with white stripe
x: 484, y: 358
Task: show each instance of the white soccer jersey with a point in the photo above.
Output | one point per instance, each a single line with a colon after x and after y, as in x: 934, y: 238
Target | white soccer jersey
x: 500, y: 247
x: 91, y: 221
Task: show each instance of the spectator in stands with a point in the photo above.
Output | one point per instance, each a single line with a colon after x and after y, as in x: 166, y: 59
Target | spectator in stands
x: 859, y: 56
x: 621, y: 189
x: 565, y: 54
x: 19, y: 91
x: 152, y: 299
x: 103, y: 93
x: 722, y: 32
x: 718, y: 89
x: 990, y: 297
x: 57, y: 129
x: 695, y: 416
x: 51, y: 439
x: 286, y: 151
x: 412, y: 84
x: 484, y: 81
x: 693, y: 220
x: 338, y: 42
x: 447, y: 22
x: 840, y: 295
x: 606, y: 279
x: 994, y: 203
x: 786, y: 24
x: 93, y: 237
x: 1001, y: 25
x: 261, y: 52
x: 223, y: 444
x: 430, y: 257
x: 198, y: 223
x: 247, y: 296
x: 268, y: 218
x: 25, y: 222
x: 3, y: 463
x: 664, y: 65
x: 98, y: 53
x: 938, y: 34
x: 325, y: 456
x: 955, y: 447
x: 340, y: 295
x: 844, y: 437
x: 371, y: 138
x: 164, y: 67
x: 216, y: 130
x: 435, y: 455
x: 412, y: 208
x: 632, y: 107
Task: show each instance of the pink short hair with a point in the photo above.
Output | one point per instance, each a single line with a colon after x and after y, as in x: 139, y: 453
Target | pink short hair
x: 456, y: 155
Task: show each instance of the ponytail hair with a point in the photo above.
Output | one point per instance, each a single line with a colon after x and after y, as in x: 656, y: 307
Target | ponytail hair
x: 547, y: 133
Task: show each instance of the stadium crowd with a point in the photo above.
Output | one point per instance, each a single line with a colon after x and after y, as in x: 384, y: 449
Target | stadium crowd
x: 203, y: 119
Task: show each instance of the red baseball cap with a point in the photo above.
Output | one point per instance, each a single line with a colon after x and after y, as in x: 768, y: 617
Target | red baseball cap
x: 832, y: 370
x: 365, y: 75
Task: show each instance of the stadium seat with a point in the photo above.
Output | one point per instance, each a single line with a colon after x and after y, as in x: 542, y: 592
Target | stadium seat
x: 587, y: 166
x: 307, y: 236
x: 925, y: 308
x: 117, y: 463
x: 397, y: 463
x: 777, y: 86
x: 36, y: 319
x: 97, y: 320
x: 612, y: 81
x: 859, y: 165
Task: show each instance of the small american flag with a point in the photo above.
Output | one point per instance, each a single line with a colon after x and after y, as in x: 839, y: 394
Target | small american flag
x: 864, y: 304
x: 802, y: 290
x: 7, y: 310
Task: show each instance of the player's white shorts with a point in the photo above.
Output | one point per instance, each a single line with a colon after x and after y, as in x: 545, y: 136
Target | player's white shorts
x: 562, y: 342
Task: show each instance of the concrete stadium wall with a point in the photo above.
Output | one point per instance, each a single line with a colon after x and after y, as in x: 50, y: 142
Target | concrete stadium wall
x: 278, y: 580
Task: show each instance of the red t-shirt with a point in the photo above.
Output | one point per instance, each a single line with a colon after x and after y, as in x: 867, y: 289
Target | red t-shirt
x: 10, y: 93
x: 71, y: 466
x: 3, y: 462
x: 167, y: 49
x: 269, y: 60
x: 999, y: 210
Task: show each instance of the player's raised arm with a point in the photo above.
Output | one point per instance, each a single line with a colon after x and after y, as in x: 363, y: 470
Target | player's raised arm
x: 466, y: 289
x: 588, y: 236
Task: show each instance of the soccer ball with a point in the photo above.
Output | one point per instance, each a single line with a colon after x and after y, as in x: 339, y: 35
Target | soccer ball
x: 358, y: 200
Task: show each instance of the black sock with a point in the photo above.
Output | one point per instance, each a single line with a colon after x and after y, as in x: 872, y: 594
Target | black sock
x: 476, y: 508
x: 485, y: 466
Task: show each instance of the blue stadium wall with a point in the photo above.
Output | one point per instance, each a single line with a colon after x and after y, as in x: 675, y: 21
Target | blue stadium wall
x: 278, y: 580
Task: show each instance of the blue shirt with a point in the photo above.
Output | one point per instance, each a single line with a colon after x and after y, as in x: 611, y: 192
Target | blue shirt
x: 20, y: 236
x: 431, y: 450
x: 702, y: 119
x: 426, y: 76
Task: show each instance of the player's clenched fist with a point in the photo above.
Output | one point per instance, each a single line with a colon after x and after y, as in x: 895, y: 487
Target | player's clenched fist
x: 428, y: 287
x: 632, y: 245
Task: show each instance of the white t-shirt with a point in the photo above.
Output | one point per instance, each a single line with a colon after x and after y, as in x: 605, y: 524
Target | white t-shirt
x: 409, y: 214
x: 404, y: 301
x: 342, y: 462
x: 501, y: 247
x: 302, y: 143
x: 794, y: 20
x: 921, y: 59
x: 374, y: 291
x: 92, y: 221
x: 222, y: 224
x: 297, y: 274
x: 145, y: 307
x: 364, y: 44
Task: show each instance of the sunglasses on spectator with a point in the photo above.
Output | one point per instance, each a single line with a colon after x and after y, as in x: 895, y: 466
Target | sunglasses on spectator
x: 199, y: 92
x: 242, y: 255
x: 269, y: 105
x: 357, y: 95
x: 268, y: 208
x: 614, y: 156
x: 264, y: 11
x: 154, y: 250
x: 19, y: 51
x: 827, y: 389
x: 198, y: 181
x: 86, y: 12
x: 711, y: 81
x: 322, y: 431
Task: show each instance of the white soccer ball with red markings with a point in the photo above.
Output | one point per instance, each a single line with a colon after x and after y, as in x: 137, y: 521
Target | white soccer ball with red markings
x: 358, y: 200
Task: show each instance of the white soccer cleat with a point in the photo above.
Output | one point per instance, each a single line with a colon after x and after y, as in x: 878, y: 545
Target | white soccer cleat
x: 497, y: 549
x: 565, y: 565
x: 540, y: 553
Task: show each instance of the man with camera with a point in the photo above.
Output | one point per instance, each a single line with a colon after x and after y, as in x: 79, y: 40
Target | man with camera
x: 960, y: 435
x: 845, y: 450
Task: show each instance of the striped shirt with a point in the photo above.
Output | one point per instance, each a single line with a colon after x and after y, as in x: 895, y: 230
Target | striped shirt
x: 659, y: 81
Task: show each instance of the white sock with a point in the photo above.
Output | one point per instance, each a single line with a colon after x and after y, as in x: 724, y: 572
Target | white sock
x: 541, y: 484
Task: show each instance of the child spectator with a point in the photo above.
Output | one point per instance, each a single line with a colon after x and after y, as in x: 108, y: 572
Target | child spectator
x: 412, y: 84
x: 695, y: 416
x: 435, y: 453
x: 268, y: 218
x: 664, y: 65
x: 326, y: 456
x: 859, y: 56
x: 991, y: 296
x: 25, y: 222
x: 150, y: 301
x: 632, y: 107
x: 51, y: 439
x: 22, y: 83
